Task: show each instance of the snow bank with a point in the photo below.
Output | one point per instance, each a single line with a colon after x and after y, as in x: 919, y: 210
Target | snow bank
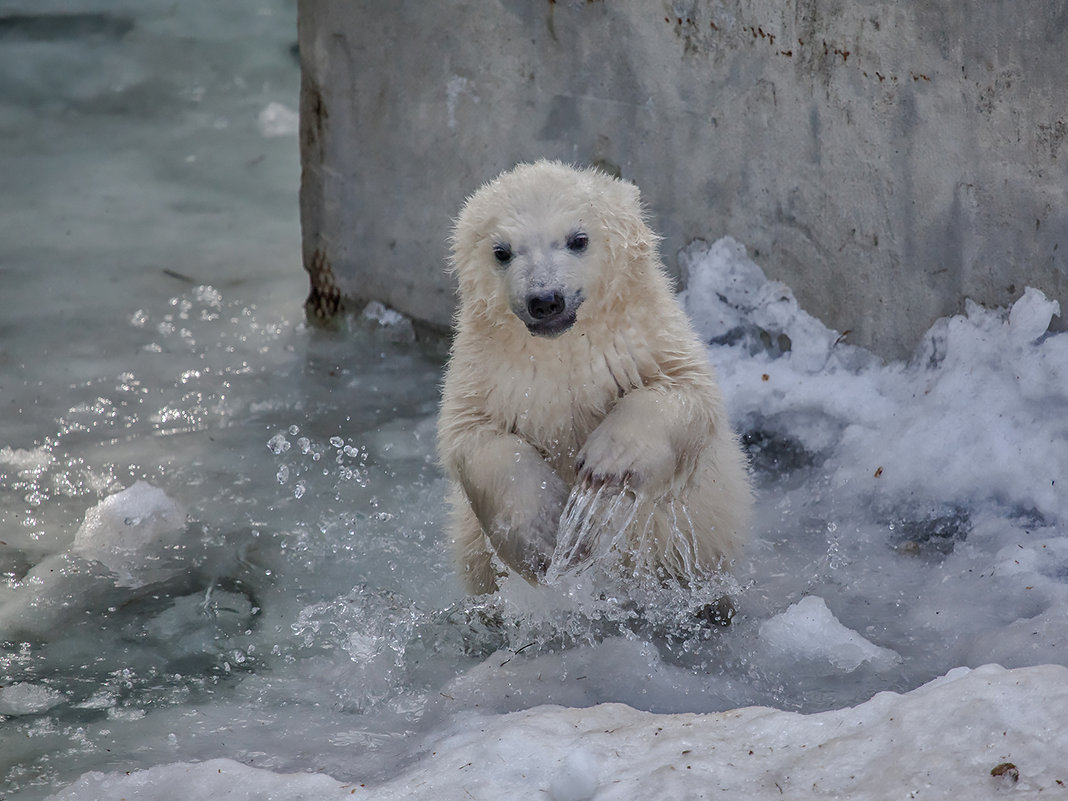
x: 216, y: 778
x: 955, y: 737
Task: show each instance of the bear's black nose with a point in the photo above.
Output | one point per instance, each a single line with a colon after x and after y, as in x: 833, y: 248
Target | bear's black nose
x: 545, y: 305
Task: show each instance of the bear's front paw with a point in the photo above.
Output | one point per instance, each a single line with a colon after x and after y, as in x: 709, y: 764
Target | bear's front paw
x: 613, y: 459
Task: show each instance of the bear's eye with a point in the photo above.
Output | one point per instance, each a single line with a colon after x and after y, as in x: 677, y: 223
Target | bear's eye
x: 502, y: 253
x: 577, y: 242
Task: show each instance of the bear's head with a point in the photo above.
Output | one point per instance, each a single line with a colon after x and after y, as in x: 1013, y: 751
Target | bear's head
x: 540, y: 242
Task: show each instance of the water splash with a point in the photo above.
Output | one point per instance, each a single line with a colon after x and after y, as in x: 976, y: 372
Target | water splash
x: 653, y: 543
x: 613, y: 573
x: 594, y: 524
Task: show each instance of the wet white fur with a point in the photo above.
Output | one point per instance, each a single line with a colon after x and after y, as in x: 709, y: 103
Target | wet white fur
x: 627, y: 391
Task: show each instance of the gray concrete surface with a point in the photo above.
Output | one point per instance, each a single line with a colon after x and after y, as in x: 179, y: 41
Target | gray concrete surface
x: 885, y: 158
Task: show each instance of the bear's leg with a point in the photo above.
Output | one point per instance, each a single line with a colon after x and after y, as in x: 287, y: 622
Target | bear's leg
x: 474, y: 560
x: 517, y: 499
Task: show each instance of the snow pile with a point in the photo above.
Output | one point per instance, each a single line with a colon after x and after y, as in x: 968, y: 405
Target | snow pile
x: 973, y: 417
x: 972, y: 734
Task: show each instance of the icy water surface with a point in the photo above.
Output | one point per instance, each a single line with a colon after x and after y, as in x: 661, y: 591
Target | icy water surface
x: 229, y: 543
x: 221, y: 531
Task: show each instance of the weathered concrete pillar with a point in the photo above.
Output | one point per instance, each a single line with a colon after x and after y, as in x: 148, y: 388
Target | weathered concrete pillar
x: 885, y: 158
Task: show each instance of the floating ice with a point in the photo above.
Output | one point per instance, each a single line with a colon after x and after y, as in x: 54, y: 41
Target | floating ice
x: 23, y: 698
x: 731, y: 302
x: 131, y: 533
x: 390, y: 322
x: 277, y: 119
x: 809, y: 630
x: 24, y: 459
x: 130, y: 539
x: 382, y: 314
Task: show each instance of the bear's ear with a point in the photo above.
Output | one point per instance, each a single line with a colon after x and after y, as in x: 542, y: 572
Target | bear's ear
x: 630, y: 196
x: 476, y: 217
x: 630, y: 239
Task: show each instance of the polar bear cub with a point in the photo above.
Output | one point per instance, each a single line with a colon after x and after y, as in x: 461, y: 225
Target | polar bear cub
x: 578, y: 406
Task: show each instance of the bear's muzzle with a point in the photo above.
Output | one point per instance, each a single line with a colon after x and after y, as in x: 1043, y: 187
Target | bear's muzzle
x: 548, y: 313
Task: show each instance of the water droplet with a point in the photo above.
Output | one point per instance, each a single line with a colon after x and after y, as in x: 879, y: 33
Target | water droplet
x: 278, y: 444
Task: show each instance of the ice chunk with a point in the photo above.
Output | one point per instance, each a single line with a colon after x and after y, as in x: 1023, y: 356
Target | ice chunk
x: 278, y: 119
x: 721, y: 286
x: 24, y: 698
x: 1030, y: 316
x: 393, y: 325
x: 129, y: 540
x: 808, y: 629
x: 129, y: 533
x: 26, y: 460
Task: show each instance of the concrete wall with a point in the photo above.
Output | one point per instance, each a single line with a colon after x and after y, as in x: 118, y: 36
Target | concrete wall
x: 885, y: 158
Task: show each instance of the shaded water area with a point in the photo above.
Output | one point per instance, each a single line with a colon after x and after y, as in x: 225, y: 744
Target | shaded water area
x: 221, y: 530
